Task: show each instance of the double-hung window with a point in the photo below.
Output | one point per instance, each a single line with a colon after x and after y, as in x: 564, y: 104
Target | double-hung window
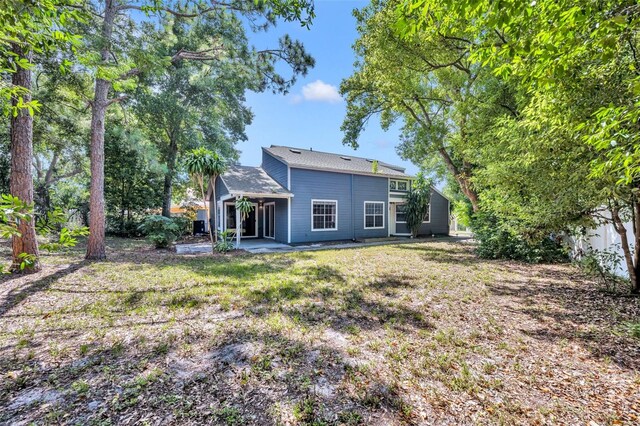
x: 324, y: 215
x: 373, y: 214
x: 401, y: 215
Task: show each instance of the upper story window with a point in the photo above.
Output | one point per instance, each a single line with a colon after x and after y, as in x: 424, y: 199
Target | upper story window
x: 324, y: 215
x: 373, y: 214
x: 398, y: 185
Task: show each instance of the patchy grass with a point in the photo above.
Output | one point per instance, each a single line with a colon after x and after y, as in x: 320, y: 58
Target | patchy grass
x: 405, y: 334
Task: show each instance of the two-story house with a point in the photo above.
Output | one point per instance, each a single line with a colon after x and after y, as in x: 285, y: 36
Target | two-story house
x: 302, y: 196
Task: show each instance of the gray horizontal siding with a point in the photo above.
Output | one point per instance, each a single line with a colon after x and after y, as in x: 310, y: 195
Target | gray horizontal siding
x: 275, y: 168
x: 281, y: 231
x: 221, y: 191
x: 369, y: 188
x: 308, y: 185
x: 439, y: 223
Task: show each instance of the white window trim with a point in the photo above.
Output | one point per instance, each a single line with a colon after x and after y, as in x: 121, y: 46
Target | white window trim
x: 395, y: 212
x: 264, y: 219
x: 424, y: 221
x: 428, y: 221
x: 407, y: 181
x: 365, y: 215
x: 324, y: 201
x: 255, y: 207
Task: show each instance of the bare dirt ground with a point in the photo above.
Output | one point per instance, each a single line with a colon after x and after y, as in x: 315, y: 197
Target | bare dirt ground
x: 421, y: 333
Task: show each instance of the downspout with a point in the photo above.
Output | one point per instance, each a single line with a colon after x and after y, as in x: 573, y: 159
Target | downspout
x: 353, y: 222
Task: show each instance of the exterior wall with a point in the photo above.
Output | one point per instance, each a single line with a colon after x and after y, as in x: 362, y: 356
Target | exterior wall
x: 280, y: 212
x: 221, y: 191
x: 308, y: 185
x: 275, y: 168
x: 350, y: 191
x: 281, y: 225
x: 369, y: 188
x: 439, y: 218
x: 201, y: 214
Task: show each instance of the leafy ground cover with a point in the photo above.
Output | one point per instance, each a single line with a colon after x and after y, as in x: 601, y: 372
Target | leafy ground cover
x: 422, y: 333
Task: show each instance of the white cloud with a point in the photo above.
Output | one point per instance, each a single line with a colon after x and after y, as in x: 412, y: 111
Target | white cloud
x: 318, y: 91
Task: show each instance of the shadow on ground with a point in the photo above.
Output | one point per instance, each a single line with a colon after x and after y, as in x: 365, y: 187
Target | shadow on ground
x: 564, y: 307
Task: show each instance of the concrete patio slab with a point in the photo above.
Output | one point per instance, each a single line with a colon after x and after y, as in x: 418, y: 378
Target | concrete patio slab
x: 270, y: 246
x: 252, y: 246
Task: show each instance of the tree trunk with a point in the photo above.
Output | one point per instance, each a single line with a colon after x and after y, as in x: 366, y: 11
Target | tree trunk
x: 168, y: 178
x: 632, y: 268
x: 459, y: 175
x: 123, y: 206
x: 206, y: 209
x: 635, y: 285
x: 21, y: 179
x: 461, y: 178
x: 96, y: 244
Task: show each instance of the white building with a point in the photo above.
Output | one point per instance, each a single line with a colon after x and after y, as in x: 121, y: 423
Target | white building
x: 605, y: 237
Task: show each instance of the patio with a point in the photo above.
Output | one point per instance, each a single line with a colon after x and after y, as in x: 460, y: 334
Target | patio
x: 258, y: 245
x: 271, y: 246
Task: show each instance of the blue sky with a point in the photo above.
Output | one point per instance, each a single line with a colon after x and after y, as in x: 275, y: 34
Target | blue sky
x: 311, y: 114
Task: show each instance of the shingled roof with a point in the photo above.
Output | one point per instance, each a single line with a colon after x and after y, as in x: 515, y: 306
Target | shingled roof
x: 309, y: 159
x: 251, y: 180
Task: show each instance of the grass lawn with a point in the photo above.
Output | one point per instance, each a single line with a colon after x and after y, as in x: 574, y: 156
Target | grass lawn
x: 423, y: 333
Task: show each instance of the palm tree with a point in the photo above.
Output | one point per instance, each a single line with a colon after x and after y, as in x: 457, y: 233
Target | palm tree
x: 202, y: 164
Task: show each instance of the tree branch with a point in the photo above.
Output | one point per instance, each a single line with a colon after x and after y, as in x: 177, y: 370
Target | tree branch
x: 117, y: 100
x: 52, y: 166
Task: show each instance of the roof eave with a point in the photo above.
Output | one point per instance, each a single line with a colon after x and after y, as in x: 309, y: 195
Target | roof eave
x: 236, y: 193
x: 273, y: 154
x: 351, y: 172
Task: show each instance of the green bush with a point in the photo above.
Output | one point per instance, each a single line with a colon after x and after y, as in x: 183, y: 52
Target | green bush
x: 498, y: 240
x: 225, y: 241
x: 127, y: 228
x: 184, y: 224
x: 160, y: 230
x: 417, y: 203
x: 602, y: 265
x: 48, y: 226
